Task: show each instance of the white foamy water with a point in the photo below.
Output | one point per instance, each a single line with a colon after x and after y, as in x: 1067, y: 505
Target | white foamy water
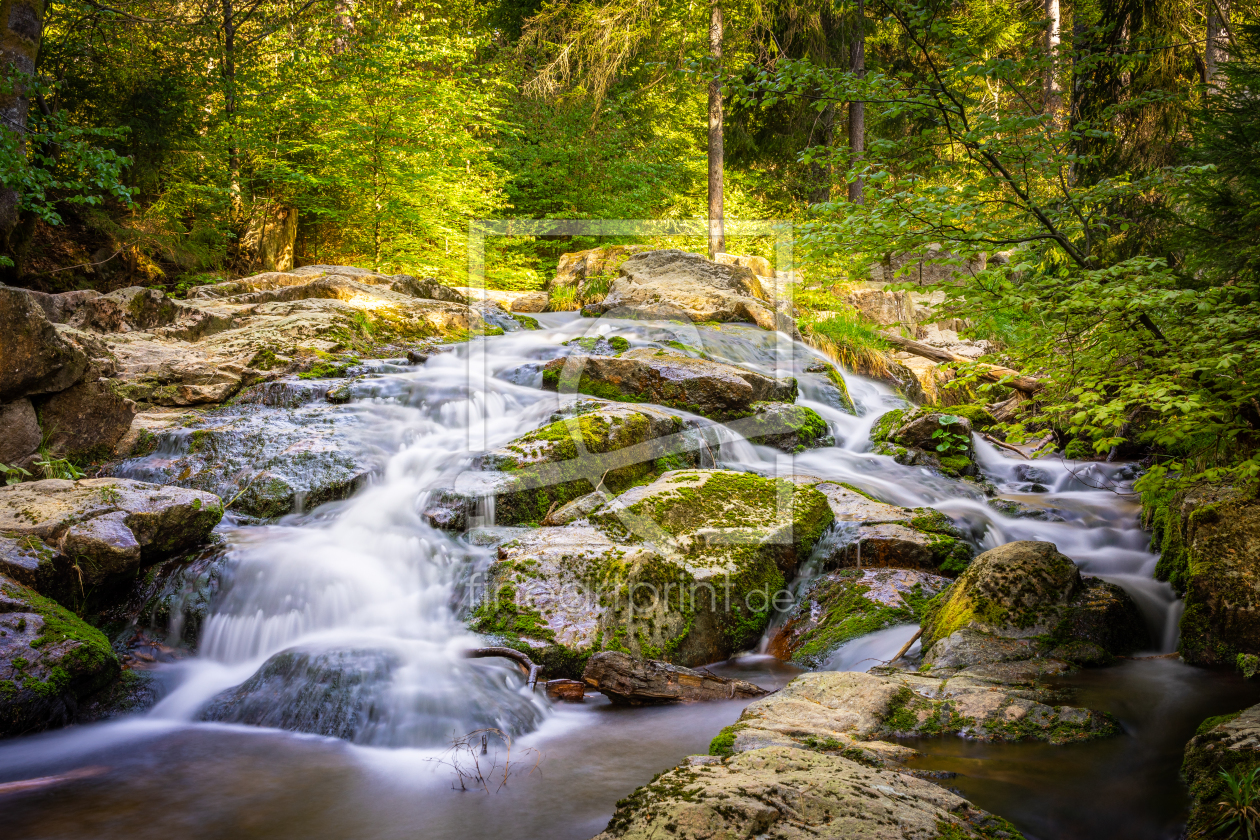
x: 368, y: 581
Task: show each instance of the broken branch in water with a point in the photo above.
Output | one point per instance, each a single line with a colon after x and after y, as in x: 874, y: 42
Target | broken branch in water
x: 531, y: 670
x: 989, y: 373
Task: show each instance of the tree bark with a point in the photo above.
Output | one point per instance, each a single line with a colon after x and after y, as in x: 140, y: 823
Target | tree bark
x: 857, y: 110
x: 1053, y: 91
x: 229, y: 109
x: 717, y: 237
x: 989, y: 373
x: 1216, y: 50
x: 23, y: 23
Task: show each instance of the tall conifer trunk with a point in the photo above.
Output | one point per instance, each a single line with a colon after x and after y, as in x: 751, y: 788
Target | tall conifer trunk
x: 717, y: 237
x: 857, y: 110
x: 21, y: 24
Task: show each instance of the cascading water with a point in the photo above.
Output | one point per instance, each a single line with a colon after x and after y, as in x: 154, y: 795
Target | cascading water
x: 364, y: 598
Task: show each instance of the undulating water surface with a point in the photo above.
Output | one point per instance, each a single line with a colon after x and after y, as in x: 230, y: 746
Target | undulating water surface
x: 366, y: 586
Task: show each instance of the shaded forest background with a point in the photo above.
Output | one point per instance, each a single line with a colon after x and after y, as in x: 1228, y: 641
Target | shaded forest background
x: 1097, y: 159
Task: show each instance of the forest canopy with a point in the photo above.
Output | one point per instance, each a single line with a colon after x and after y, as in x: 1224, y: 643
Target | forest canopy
x: 1091, y: 167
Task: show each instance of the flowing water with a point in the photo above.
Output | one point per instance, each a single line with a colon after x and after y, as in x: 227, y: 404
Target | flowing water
x: 366, y: 591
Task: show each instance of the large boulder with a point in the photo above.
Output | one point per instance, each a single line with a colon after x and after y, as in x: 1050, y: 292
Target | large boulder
x: 349, y: 693
x: 1026, y: 601
x: 65, y: 536
x: 87, y: 420
x: 794, y: 794
x: 275, y: 450
x: 870, y: 533
x: 665, y: 377
x: 49, y: 661
x: 1223, y: 744
x: 590, y: 273
x: 34, y: 359
x: 1209, y: 539
x: 686, y: 570
x: 848, y: 710
x: 673, y: 284
x: 637, y: 682
x: 840, y: 606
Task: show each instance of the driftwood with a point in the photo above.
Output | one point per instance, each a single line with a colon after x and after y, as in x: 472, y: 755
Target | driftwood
x: 907, y: 645
x: 989, y: 373
x: 516, y: 656
x: 625, y: 680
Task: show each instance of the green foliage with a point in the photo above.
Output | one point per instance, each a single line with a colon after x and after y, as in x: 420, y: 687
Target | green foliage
x: 13, y: 474
x: 58, y: 468
x: 1238, y: 811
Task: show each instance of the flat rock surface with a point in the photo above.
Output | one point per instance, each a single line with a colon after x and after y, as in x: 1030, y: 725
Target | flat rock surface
x: 788, y: 793
x: 712, y: 389
x: 681, y: 285
x: 103, y: 526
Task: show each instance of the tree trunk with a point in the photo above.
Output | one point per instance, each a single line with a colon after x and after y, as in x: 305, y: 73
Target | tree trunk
x: 229, y: 109
x: 1217, y: 48
x: 23, y: 23
x: 989, y: 373
x: 857, y: 110
x: 717, y: 239
x: 1053, y: 91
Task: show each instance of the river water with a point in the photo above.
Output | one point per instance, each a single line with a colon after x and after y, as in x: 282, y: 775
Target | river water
x: 367, y: 582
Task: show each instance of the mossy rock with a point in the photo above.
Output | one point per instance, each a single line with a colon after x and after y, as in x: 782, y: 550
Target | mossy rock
x: 788, y: 428
x: 845, y: 604
x: 1208, y: 536
x: 49, y: 660
x: 1222, y: 744
x: 1022, y: 600
x: 610, y: 446
x: 685, y: 570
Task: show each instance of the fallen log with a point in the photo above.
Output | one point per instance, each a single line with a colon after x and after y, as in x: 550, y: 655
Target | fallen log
x: 531, y: 670
x: 636, y: 682
x: 987, y: 372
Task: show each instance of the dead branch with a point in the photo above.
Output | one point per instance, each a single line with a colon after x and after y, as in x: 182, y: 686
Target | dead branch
x: 989, y: 373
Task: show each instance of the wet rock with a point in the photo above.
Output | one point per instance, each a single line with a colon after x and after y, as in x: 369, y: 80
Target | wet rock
x: 602, y: 444
x: 266, y: 461
x: 844, y: 604
x: 712, y: 389
x: 786, y: 427
x: 96, y: 528
x: 835, y: 391
x: 914, y: 437
x: 870, y: 533
x: 577, y: 510
x: 134, y: 692
x: 1019, y: 602
x: 350, y: 693
x: 49, y: 661
x: 1223, y: 744
x: 673, y: 284
x: 685, y: 570
x: 790, y: 794
x: 21, y: 436
x: 326, y: 693
x: 1209, y: 542
x: 844, y: 711
x: 34, y: 359
x: 1023, y: 510
x: 636, y: 682
x: 598, y: 345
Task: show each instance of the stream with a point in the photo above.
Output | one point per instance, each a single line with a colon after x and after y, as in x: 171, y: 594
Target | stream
x: 367, y: 584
